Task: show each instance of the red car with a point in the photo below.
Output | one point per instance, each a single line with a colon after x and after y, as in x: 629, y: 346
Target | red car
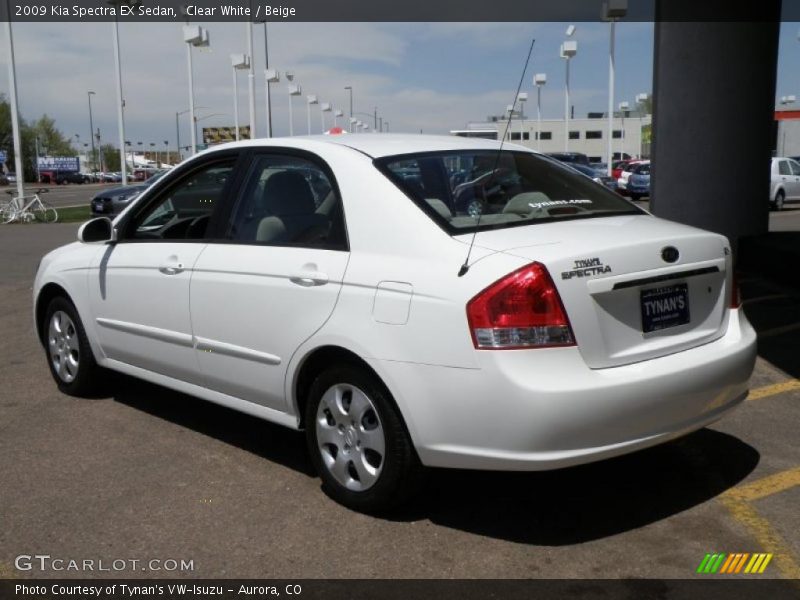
x: 619, y: 166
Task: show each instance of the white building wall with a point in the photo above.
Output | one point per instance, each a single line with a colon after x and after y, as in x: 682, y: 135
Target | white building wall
x: 596, y: 149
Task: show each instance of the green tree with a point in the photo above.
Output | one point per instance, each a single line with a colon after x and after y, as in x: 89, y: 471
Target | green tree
x: 51, y: 140
x: 110, y: 157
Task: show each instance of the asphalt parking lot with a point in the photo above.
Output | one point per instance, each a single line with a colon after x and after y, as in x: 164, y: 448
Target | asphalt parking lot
x: 147, y: 473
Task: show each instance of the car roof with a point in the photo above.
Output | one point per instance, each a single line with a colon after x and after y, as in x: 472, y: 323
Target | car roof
x: 377, y: 145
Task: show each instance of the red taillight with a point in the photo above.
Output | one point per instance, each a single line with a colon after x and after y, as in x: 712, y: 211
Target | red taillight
x: 521, y: 310
x: 736, y: 293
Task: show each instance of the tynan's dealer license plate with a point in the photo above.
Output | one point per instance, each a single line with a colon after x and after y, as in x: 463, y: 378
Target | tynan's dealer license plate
x: 665, y: 307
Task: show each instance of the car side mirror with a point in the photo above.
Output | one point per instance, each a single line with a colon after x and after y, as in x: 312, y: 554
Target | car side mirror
x: 97, y: 230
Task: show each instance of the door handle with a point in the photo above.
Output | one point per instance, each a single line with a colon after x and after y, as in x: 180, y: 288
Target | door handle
x: 171, y: 268
x: 309, y: 278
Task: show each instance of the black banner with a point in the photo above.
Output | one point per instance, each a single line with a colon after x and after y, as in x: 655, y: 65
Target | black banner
x: 406, y: 589
x: 387, y: 11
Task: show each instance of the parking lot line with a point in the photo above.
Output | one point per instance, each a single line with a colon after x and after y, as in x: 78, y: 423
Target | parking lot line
x: 739, y: 502
x: 774, y: 389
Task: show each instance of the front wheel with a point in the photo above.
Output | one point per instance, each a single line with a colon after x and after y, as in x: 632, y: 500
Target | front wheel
x: 358, y: 442
x: 69, y: 354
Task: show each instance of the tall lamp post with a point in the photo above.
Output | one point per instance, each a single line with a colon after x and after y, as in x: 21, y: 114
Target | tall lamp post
x: 522, y: 97
x: 270, y: 76
x: 611, y: 11
x: 294, y: 90
x: 336, y: 114
x: 786, y: 100
x: 238, y: 62
x: 251, y: 80
x: 349, y: 88
x: 569, y: 48
x: 311, y: 99
x: 12, y: 84
x: 120, y: 101
x: 640, y: 100
x: 323, y: 108
x: 539, y: 80
x: 623, y: 108
x: 196, y: 36
x: 91, y: 130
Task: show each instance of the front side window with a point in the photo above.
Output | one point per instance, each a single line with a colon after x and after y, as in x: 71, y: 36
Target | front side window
x: 502, y: 190
x: 184, y: 209
x: 783, y: 167
x: 288, y: 201
x: 795, y: 167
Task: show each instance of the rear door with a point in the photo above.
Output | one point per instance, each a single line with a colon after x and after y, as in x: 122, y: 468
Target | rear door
x: 272, y: 279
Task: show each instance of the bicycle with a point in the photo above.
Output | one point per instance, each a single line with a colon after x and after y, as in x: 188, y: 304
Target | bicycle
x: 25, y: 209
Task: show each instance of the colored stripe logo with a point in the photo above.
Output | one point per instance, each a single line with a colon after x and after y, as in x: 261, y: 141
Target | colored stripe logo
x: 737, y: 562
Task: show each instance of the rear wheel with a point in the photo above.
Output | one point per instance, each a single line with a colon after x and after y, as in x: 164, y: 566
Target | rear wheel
x: 780, y: 198
x: 69, y: 355
x: 358, y: 442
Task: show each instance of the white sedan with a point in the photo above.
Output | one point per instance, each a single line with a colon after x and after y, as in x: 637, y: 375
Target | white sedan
x: 408, y: 301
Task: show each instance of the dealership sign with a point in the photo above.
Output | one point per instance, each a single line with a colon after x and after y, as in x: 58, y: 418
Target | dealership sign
x: 59, y: 163
x: 218, y: 135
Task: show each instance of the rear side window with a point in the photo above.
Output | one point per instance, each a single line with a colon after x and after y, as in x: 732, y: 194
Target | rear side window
x: 475, y: 190
x: 288, y: 201
x: 642, y: 169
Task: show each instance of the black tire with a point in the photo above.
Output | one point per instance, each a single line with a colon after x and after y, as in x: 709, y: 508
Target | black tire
x: 88, y: 379
x: 780, y: 198
x: 400, y: 468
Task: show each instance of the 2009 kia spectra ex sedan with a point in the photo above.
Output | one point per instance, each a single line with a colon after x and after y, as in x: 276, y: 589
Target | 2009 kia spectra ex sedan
x: 407, y: 301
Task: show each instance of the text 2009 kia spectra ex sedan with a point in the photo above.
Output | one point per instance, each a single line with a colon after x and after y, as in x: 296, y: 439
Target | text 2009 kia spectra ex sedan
x: 407, y: 301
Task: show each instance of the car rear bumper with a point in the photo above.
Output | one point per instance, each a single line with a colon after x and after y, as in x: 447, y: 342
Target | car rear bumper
x: 545, y: 409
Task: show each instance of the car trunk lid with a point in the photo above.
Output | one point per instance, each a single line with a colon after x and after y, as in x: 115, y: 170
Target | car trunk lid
x: 625, y: 300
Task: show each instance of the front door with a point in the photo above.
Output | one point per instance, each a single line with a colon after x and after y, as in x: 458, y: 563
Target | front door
x: 139, y: 287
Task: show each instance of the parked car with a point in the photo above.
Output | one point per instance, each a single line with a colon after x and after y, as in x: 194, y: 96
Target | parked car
x: 627, y: 171
x: 64, y: 177
x: 330, y: 294
x: 112, y: 201
x: 593, y: 174
x: 570, y: 157
x: 617, y: 167
x: 11, y: 177
x: 784, y: 182
x: 638, y: 184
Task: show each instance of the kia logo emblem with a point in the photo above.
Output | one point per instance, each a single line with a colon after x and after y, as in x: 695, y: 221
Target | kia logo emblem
x: 670, y: 254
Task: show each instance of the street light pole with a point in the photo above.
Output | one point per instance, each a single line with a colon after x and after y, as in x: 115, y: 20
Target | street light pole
x: 270, y: 76
x: 539, y: 80
x: 568, y: 49
x: 193, y: 36
x: 623, y: 107
x: 312, y: 99
x: 91, y: 131
x: 611, y: 11
x: 294, y: 90
x: 238, y: 61
x: 120, y: 114
x: 522, y: 98
x: 349, y: 88
x: 251, y: 80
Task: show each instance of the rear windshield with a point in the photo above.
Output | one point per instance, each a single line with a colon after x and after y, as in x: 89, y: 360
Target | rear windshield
x: 475, y: 190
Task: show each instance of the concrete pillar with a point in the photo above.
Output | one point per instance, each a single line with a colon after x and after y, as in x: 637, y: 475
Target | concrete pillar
x: 714, y: 98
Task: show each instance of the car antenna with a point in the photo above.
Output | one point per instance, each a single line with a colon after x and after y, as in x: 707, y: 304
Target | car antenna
x: 465, y: 267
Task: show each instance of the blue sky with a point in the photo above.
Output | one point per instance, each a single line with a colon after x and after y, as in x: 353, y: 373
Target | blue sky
x: 429, y: 76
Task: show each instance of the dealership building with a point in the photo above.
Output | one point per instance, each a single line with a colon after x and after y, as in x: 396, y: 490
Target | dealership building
x: 587, y: 135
